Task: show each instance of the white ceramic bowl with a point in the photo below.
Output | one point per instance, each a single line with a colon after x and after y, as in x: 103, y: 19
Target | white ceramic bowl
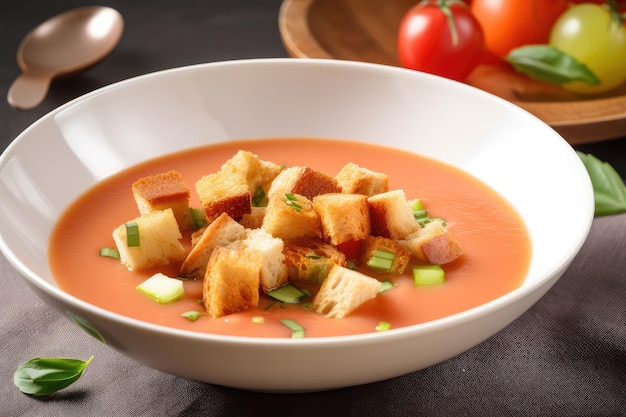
x: 78, y: 144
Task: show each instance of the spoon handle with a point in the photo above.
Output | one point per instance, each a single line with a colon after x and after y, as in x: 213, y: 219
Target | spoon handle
x: 28, y: 91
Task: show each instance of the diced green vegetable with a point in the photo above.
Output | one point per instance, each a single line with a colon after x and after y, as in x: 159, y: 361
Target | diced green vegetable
x: 289, y: 294
x: 110, y: 253
x: 386, y: 285
x: 259, y: 198
x: 132, y: 235
x: 297, y: 331
x: 416, y: 205
x: 197, y: 218
x: 382, y: 260
x: 162, y: 288
x: 258, y: 320
x: 192, y: 315
x: 428, y: 275
x: 383, y: 325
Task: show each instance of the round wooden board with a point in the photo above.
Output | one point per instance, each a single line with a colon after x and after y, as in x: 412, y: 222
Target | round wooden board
x: 365, y: 30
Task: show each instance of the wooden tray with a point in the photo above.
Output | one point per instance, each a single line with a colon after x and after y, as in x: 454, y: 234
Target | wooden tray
x: 365, y: 30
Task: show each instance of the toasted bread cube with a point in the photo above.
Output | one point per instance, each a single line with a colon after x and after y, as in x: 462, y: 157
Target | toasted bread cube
x: 344, y: 217
x: 254, y: 219
x: 159, y: 241
x: 343, y: 291
x: 267, y: 250
x: 222, y: 232
x: 354, y: 179
x: 303, y: 181
x: 311, y: 260
x: 291, y: 216
x: 231, y: 282
x: 372, y: 244
x: 162, y: 191
x: 257, y: 173
x: 391, y: 216
x: 224, y: 192
x: 433, y: 244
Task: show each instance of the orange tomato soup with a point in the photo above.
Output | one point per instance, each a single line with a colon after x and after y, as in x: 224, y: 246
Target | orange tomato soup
x: 495, y: 242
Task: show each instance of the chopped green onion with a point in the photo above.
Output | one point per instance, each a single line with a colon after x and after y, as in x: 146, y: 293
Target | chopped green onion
x: 197, y: 218
x: 259, y: 198
x: 161, y: 288
x: 192, y: 315
x: 297, y: 331
x: 383, y: 325
x: 132, y: 234
x: 416, y: 205
x: 109, y: 253
x: 428, y: 275
x: 386, y: 285
x: 289, y: 294
x: 292, y: 201
x: 351, y: 265
x: 258, y: 320
x: 381, y: 259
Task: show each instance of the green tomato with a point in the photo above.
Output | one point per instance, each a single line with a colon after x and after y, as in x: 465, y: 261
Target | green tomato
x: 590, y: 34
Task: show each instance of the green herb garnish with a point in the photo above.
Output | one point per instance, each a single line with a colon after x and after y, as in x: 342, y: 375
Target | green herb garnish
x: 41, y: 376
x: 289, y: 294
x: 297, y: 331
x: 428, y: 275
x: 191, y: 315
x: 292, y: 201
x: 197, y: 218
x: 109, y: 253
x: 608, y: 187
x: 259, y: 198
x: 549, y: 64
x: 386, y: 286
x: 382, y: 326
x: 132, y: 234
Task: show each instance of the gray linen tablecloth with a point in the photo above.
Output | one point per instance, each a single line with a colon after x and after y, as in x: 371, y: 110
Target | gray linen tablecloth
x: 566, y: 356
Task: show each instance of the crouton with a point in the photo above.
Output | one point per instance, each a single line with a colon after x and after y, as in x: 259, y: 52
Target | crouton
x: 433, y: 244
x: 159, y: 241
x: 400, y: 255
x: 223, y: 231
x: 224, y: 192
x: 344, y: 217
x: 343, y: 291
x: 257, y: 173
x: 254, y: 219
x: 162, y: 191
x: 303, y: 181
x: 261, y: 247
x: 354, y: 179
x: 311, y: 260
x: 391, y: 216
x: 291, y: 216
x: 231, y: 282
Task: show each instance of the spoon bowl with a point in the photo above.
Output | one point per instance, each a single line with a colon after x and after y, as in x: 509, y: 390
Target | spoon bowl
x: 63, y: 45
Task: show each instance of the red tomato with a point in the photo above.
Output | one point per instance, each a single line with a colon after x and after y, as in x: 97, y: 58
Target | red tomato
x: 426, y: 42
x: 508, y: 24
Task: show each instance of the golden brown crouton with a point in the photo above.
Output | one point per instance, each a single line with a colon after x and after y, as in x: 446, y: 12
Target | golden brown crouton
x: 159, y: 241
x: 224, y: 192
x: 231, y: 282
x: 354, y: 179
x: 343, y: 291
x: 254, y: 219
x: 433, y: 244
x: 399, y: 259
x: 311, y: 260
x: 303, y: 181
x: 344, y: 217
x: 257, y: 173
x: 391, y: 215
x: 223, y: 231
x: 291, y: 216
x: 162, y: 191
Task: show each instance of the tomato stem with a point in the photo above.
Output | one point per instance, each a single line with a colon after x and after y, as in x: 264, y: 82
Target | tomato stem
x: 445, y: 9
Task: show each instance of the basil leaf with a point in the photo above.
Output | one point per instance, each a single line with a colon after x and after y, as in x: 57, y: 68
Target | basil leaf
x: 608, y: 187
x: 547, y: 63
x: 40, y: 376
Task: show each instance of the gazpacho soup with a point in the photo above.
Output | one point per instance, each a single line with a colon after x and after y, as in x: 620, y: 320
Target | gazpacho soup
x: 289, y: 238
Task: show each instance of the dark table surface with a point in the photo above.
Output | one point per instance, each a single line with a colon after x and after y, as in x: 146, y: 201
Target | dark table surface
x: 565, y: 356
